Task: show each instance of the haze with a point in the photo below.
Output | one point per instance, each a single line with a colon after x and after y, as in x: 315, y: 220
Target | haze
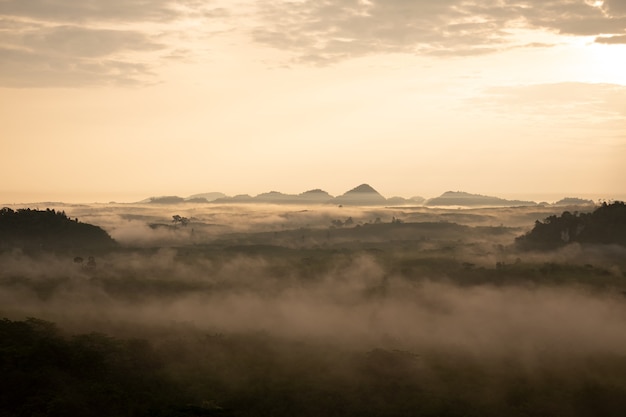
x: 113, y: 100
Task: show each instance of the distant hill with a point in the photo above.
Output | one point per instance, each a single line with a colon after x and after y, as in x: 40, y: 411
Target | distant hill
x: 460, y: 198
x: 573, y: 201
x: 240, y: 198
x: 206, y: 196
x: 169, y: 199
x: 363, y: 195
x: 49, y: 229
x: 315, y: 196
x: 275, y: 197
x: 605, y: 225
x: 174, y: 199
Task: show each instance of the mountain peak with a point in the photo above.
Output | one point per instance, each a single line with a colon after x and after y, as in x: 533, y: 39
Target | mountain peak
x: 363, y: 195
x: 363, y: 188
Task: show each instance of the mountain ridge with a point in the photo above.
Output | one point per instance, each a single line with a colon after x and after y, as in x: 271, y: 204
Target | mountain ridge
x: 361, y: 195
x: 462, y: 198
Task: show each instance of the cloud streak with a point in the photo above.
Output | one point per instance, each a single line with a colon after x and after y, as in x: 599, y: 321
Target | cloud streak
x: 338, y: 29
x: 604, y: 102
x: 67, y: 44
x: 94, y: 10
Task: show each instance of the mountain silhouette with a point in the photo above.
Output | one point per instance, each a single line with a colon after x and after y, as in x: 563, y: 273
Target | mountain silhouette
x: 168, y: 199
x: 317, y: 195
x: 239, y: 198
x: 206, y: 196
x: 461, y: 198
x: 573, y: 201
x: 363, y: 195
x: 275, y: 197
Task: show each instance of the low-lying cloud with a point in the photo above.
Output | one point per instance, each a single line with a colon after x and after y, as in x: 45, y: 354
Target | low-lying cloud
x: 353, y: 303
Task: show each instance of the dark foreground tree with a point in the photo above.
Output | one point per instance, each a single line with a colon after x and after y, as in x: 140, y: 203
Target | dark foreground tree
x: 605, y: 225
x: 45, y: 373
x: 49, y: 229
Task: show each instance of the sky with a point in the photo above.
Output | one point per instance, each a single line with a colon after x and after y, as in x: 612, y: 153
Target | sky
x: 119, y: 100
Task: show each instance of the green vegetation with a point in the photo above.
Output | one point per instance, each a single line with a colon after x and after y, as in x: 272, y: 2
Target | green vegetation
x: 605, y: 225
x: 190, y: 373
x: 49, y: 230
x: 45, y: 373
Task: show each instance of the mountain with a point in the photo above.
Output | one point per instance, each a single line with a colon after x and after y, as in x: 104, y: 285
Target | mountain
x: 239, y: 198
x: 460, y: 198
x: 315, y: 196
x: 174, y: 199
x: 363, y: 195
x: 275, y: 197
x: 206, y: 196
x: 196, y: 200
x: 168, y: 199
x: 573, y: 201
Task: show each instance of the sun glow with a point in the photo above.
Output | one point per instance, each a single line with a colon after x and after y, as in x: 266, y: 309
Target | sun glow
x: 607, y: 63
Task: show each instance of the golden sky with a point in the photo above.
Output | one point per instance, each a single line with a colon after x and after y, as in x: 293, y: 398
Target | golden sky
x: 124, y: 99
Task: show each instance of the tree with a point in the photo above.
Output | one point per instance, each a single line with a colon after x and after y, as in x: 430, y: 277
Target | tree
x: 179, y: 219
x: 605, y: 225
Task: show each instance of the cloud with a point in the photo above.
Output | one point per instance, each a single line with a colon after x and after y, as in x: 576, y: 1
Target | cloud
x: 63, y: 43
x: 72, y: 11
x: 60, y: 56
x: 612, y: 39
x: 28, y: 69
x: 338, y: 29
x: 607, y: 101
x: 615, y: 7
x: 74, y: 41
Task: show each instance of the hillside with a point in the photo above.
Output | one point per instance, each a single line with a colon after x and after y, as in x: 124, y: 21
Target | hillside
x: 605, y: 225
x: 49, y: 229
x: 363, y: 195
x: 460, y: 198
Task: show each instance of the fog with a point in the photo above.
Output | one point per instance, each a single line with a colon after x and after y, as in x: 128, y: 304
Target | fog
x: 435, y: 283
x: 203, y: 275
x: 357, y: 304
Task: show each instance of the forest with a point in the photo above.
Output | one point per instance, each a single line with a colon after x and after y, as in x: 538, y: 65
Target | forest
x: 246, y: 310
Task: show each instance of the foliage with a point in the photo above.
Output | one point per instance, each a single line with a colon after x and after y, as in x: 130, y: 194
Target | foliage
x: 49, y: 229
x: 45, y: 373
x: 198, y: 350
x: 177, y: 219
x: 605, y: 225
